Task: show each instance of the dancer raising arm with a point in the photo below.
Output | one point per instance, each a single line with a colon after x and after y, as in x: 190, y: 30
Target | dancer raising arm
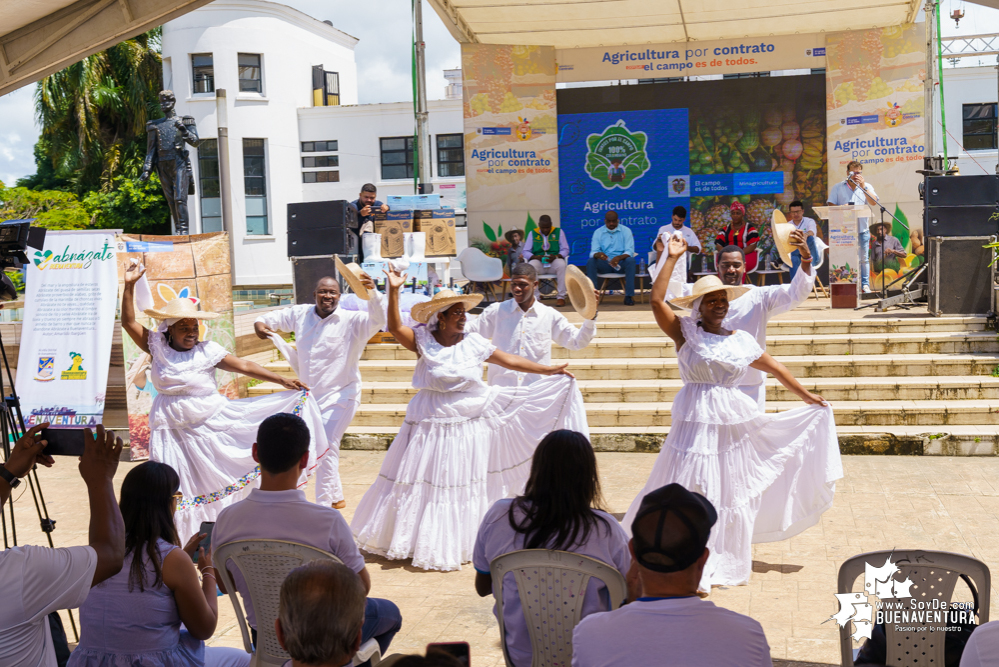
x: 201, y: 434
x: 463, y: 444
x: 770, y: 476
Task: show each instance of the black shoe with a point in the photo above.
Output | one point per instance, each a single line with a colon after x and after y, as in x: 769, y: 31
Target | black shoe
x: 628, y: 301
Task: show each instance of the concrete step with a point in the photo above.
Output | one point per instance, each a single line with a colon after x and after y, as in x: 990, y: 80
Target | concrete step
x: 626, y: 416
x: 941, y: 388
x: 825, y: 366
x: 899, y: 440
x: 894, y: 325
x: 947, y: 342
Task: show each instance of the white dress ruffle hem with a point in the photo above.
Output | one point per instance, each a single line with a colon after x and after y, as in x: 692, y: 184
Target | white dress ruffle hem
x: 463, y: 446
x: 769, y: 476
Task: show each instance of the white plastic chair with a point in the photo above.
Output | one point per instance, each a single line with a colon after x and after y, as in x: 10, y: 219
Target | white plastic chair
x: 480, y: 269
x: 552, y: 586
x: 264, y: 565
x: 934, y: 575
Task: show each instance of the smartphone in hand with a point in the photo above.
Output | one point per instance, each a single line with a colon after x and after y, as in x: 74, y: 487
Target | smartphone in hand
x: 460, y: 650
x: 206, y: 542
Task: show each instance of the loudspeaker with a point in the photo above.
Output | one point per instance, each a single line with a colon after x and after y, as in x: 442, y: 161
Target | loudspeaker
x: 960, y: 280
x: 307, y: 271
x: 962, y: 191
x: 960, y: 220
x: 321, y: 215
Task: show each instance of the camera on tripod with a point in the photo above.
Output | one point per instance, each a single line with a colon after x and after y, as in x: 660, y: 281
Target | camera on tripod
x: 16, y: 236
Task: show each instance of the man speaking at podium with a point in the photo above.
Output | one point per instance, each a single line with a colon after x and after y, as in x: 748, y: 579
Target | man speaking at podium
x: 854, y: 190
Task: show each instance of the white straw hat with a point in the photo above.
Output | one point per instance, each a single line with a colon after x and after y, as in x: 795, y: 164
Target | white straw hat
x: 579, y: 287
x: 707, y: 285
x: 443, y: 300
x: 180, y: 309
x: 352, y: 274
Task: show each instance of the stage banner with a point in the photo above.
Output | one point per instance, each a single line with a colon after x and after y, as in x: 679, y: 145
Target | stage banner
x: 195, y: 267
x: 69, y: 319
x: 675, y: 59
x: 511, y: 151
x: 874, y: 102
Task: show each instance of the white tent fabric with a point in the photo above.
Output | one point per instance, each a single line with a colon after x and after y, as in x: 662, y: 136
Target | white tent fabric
x: 567, y: 24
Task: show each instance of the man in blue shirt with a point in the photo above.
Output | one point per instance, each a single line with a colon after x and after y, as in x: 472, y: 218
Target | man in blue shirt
x: 854, y: 190
x: 612, y: 250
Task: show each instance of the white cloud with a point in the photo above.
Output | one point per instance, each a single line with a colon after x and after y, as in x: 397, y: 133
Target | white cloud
x: 17, y: 135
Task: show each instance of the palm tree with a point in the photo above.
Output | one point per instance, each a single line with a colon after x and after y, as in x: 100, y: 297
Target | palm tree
x: 93, y: 113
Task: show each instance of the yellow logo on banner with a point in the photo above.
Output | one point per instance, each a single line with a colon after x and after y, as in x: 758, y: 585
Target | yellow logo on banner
x: 75, y: 370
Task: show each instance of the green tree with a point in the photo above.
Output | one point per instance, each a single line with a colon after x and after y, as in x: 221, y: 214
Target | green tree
x: 93, y: 113
x: 45, y: 177
x: 51, y: 209
x: 132, y: 205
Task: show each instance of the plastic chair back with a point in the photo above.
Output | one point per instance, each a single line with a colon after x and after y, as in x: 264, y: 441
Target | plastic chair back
x: 934, y: 575
x: 552, y: 586
x: 264, y: 565
x: 479, y: 267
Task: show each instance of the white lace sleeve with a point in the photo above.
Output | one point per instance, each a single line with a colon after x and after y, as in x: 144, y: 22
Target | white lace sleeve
x: 479, y: 347
x: 213, y: 353
x: 423, y: 337
x: 157, y: 345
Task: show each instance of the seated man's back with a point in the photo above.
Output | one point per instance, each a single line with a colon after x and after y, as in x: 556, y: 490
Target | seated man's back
x: 680, y: 632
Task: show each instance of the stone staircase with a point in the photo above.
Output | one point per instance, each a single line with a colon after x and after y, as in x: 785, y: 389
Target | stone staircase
x: 910, y: 385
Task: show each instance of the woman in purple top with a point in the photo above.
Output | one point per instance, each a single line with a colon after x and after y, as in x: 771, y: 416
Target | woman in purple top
x: 134, y: 619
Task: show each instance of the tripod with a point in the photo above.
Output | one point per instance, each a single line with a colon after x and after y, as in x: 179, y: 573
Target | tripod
x: 11, y: 428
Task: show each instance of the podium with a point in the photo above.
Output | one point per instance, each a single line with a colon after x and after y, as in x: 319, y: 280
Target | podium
x: 845, y: 259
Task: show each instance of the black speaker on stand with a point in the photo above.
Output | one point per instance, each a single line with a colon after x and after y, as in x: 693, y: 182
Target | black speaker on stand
x: 322, y: 228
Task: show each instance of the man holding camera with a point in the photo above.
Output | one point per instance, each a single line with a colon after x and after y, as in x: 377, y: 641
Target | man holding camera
x: 367, y: 205
x: 38, y: 581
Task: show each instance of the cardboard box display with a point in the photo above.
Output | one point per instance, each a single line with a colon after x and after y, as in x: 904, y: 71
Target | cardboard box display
x: 439, y: 229
x: 395, y: 224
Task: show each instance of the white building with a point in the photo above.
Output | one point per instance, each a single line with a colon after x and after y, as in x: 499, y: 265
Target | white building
x: 296, y: 132
x: 970, y: 95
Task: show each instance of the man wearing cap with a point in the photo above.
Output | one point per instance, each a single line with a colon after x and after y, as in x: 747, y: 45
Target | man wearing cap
x: 884, y: 245
x: 329, y: 343
x: 670, y: 623
x: 526, y: 327
x: 741, y: 234
x: 547, y: 244
x: 753, y: 311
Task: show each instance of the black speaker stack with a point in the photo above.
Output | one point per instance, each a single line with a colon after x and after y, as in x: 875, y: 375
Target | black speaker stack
x: 322, y: 228
x: 960, y: 217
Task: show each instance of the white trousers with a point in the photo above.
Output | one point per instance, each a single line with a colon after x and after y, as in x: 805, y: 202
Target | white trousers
x: 757, y: 392
x: 558, y: 267
x: 336, y: 418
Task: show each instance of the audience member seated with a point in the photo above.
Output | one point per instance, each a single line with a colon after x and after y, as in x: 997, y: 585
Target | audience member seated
x: 669, y: 547
x: 278, y: 510
x: 612, y: 250
x: 135, y: 617
x: 982, y: 649
x: 557, y: 511
x: 37, y: 581
x: 321, y: 614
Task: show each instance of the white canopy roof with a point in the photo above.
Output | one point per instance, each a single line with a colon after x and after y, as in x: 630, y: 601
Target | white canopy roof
x: 567, y: 24
x: 38, y: 37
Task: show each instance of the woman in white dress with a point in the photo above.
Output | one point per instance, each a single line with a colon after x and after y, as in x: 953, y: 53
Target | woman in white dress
x: 770, y: 476
x: 201, y: 434
x: 464, y: 444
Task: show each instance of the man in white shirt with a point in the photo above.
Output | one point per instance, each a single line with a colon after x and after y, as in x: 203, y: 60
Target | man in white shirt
x: 670, y: 624
x: 806, y: 226
x: 854, y: 190
x: 677, y: 228
x: 526, y: 327
x: 329, y: 343
x: 37, y: 581
x: 752, y: 311
x: 278, y: 510
x: 548, y: 245
x: 982, y: 649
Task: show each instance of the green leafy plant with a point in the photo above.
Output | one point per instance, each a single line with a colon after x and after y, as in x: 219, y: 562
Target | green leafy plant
x: 52, y: 209
x: 490, y: 234
x: 17, y: 279
x: 995, y: 372
x: 132, y: 205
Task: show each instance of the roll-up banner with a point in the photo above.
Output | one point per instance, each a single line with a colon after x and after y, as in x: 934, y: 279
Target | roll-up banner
x: 69, y: 318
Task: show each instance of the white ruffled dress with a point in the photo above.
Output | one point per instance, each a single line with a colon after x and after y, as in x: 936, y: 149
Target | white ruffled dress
x: 769, y: 476
x: 208, y: 438
x: 463, y: 446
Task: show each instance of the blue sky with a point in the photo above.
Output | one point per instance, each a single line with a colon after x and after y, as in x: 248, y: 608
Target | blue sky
x: 383, y: 62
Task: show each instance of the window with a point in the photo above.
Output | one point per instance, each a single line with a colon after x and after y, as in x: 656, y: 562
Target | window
x: 321, y: 161
x: 979, y: 126
x: 325, y: 87
x: 318, y: 146
x: 450, y: 155
x: 204, y: 72
x: 320, y: 176
x: 397, y: 158
x: 208, y: 177
x: 255, y: 186
x: 249, y: 73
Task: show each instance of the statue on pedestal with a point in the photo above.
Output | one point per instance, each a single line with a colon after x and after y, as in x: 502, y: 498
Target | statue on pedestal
x: 167, y: 154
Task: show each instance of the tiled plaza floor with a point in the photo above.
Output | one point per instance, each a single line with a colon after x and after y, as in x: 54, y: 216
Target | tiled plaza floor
x: 884, y: 502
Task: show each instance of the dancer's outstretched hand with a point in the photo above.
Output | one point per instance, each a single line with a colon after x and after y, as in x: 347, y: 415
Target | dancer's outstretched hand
x: 560, y: 369
x: 814, y: 399
x: 677, y: 246
x: 396, y: 279
x: 134, y: 272
x: 367, y: 281
x: 262, y: 330
x: 291, y: 383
